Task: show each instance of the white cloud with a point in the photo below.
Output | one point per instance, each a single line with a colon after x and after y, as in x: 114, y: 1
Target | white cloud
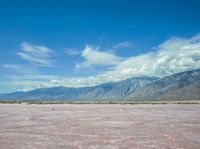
x: 172, y: 56
x: 93, y: 56
x: 72, y: 52
x: 36, y: 54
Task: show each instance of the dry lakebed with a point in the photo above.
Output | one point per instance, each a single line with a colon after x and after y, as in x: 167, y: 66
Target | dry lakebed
x: 100, y: 126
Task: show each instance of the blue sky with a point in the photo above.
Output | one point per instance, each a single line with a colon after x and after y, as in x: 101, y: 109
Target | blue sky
x: 88, y: 42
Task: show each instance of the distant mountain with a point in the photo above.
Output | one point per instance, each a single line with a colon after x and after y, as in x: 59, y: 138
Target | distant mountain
x: 117, y: 90
x: 180, y: 86
x: 111, y: 90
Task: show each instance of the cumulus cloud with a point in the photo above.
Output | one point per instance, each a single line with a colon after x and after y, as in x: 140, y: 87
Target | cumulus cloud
x: 172, y: 56
x: 36, y: 54
x: 93, y: 56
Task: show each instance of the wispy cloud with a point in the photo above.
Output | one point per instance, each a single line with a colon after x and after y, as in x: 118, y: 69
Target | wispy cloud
x: 20, y: 69
x: 39, y: 55
x: 122, y: 45
x: 72, y: 52
x: 93, y: 56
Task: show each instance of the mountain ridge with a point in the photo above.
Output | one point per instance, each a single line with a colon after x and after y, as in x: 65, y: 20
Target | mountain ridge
x: 176, y: 86
x: 179, y: 86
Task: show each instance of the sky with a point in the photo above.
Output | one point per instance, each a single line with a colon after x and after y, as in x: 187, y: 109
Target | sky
x: 77, y: 43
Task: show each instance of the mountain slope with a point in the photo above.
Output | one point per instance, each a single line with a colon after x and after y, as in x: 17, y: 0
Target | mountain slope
x: 112, y: 90
x: 180, y: 86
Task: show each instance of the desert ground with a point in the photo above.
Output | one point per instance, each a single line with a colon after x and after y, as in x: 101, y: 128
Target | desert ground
x: 101, y: 126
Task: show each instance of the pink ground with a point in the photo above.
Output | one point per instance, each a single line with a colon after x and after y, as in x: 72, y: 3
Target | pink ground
x: 99, y: 126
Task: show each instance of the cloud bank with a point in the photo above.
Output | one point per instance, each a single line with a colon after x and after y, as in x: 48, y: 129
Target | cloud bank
x: 172, y: 56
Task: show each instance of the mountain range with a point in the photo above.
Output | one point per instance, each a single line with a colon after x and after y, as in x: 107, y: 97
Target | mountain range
x: 180, y: 86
